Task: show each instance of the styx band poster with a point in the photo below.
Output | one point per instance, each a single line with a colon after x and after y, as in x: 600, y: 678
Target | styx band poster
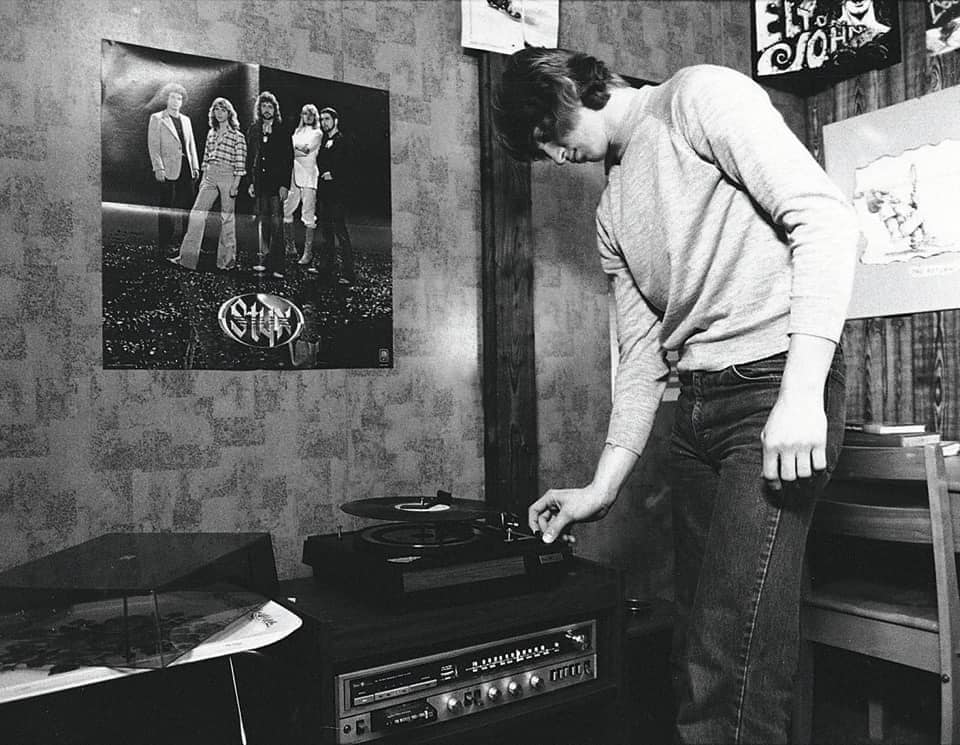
x: 246, y: 216
x: 811, y: 44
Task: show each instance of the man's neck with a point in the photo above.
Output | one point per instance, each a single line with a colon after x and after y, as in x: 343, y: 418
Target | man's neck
x: 333, y: 132
x: 615, y: 115
x: 171, y: 112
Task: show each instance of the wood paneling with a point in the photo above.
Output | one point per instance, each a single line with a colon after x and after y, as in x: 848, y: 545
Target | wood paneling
x: 509, y: 375
x: 901, y: 368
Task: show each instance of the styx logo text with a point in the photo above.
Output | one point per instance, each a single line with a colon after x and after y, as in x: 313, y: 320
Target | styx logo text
x: 260, y: 320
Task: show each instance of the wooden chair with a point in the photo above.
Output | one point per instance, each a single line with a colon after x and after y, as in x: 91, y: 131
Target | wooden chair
x: 880, y: 619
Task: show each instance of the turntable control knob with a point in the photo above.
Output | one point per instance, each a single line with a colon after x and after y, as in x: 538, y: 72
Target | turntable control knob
x: 454, y: 706
x: 513, y: 688
x: 536, y: 682
x: 493, y: 693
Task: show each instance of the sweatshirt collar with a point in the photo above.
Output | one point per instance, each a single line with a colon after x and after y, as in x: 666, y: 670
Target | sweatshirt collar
x: 628, y: 126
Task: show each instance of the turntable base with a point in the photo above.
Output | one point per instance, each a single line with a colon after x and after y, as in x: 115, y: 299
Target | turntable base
x: 422, y: 562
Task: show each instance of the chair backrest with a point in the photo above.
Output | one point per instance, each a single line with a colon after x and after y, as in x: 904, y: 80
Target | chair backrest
x: 932, y: 523
x: 883, y: 464
x: 885, y: 494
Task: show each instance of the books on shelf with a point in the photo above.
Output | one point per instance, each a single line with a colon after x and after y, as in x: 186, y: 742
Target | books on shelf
x: 886, y: 428
x: 895, y: 435
x: 858, y: 437
x: 948, y: 448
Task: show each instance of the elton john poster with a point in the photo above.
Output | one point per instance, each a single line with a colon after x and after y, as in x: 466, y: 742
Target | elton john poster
x: 246, y: 216
x: 813, y: 44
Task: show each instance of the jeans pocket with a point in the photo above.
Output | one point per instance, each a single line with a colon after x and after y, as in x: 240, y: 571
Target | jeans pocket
x: 768, y: 370
x: 838, y: 372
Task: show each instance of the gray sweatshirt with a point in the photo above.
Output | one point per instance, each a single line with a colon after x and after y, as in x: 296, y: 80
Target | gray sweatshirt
x: 721, y: 234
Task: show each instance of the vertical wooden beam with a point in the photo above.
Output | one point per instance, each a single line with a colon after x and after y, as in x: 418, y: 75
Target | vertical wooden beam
x: 508, y: 367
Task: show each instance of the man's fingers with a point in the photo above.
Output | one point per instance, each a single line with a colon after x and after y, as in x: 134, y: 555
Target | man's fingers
x: 555, y: 526
x: 804, y: 465
x: 547, y: 517
x: 534, y: 512
x: 541, y: 513
x: 790, y: 465
x: 818, y: 458
x: 771, y: 464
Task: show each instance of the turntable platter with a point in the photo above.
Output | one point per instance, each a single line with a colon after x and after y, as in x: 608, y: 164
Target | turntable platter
x: 418, y: 536
x: 442, y: 508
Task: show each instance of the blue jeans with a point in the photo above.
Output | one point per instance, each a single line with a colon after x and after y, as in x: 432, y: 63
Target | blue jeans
x: 739, y: 554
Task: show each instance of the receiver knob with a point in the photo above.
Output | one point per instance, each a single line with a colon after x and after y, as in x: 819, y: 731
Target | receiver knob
x: 493, y: 693
x: 453, y: 705
x: 536, y: 682
x: 577, y: 639
x: 513, y: 688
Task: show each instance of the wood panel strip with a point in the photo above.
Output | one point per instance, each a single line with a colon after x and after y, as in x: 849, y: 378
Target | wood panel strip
x: 951, y: 371
x: 913, y: 19
x: 902, y: 350
x: 923, y: 361
x: 509, y: 371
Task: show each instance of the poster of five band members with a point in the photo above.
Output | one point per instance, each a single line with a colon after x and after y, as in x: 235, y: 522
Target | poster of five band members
x: 246, y: 216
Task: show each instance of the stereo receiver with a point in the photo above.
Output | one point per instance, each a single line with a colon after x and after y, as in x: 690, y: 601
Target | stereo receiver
x: 378, y: 701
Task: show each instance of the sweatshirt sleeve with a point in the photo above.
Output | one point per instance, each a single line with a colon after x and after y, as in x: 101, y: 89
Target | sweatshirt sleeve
x: 642, y: 370
x: 729, y: 120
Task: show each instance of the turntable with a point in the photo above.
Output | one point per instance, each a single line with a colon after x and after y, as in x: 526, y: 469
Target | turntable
x: 434, y: 548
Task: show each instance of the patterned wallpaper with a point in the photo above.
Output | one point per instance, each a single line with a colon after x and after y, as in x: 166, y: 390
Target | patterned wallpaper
x: 85, y: 451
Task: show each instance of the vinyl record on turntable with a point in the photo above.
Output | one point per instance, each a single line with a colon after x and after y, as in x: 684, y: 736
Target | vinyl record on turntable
x: 419, y: 536
x: 441, y: 508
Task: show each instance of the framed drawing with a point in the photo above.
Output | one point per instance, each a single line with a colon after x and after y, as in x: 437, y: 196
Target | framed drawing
x: 900, y: 165
x: 505, y: 26
x: 193, y: 169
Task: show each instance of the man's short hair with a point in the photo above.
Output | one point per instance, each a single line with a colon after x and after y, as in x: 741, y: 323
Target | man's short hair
x: 331, y: 111
x: 539, y: 91
x: 172, y: 88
